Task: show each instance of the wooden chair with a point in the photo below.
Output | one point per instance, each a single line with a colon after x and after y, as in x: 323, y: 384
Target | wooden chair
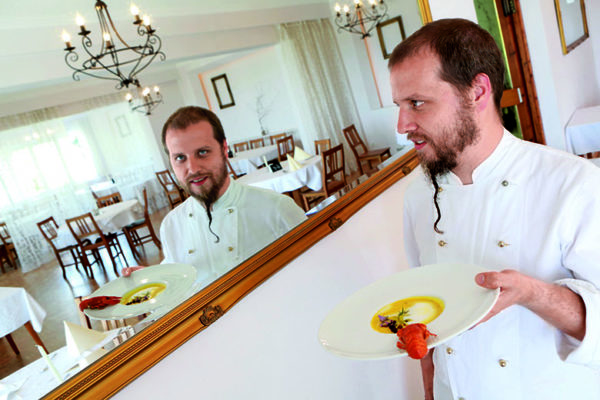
x: 322, y: 145
x: 9, y: 252
x: 362, y: 153
x: 334, y: 176
x: 132, y: 235
x: 256, y: 143
x: 232, y: 171
x: 174, y: 193
x: 243, y: 146
x: 275, y: 138
x: 108, y: 200
x: 285, y: 146
x: 48, y: 228
x: 90, y: 238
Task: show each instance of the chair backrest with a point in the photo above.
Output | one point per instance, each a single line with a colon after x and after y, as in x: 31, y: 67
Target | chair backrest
x: 354, y: 141
x: 4, y: 235
x: 322, y: 145
x: 256, y: 143
x: 285, y: 146
x: 231, y: 170
x: 83, y: 226
x: 170, y: 187
x: 109, y: 199
x: 48, y: 228
x: 243, y: 146
x: 334, y: 175
x: 146, y: 213
x: 165, y: 179
x: 275, y: 138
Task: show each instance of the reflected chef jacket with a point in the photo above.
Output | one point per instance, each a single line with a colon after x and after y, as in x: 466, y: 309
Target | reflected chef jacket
x: 536, y: 210
x: 245, y: 218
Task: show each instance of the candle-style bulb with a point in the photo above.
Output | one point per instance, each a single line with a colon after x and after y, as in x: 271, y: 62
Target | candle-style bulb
x: 146, y: 20
x: 156, y: 89
x: 79, y: 20
x: 134, y: 10
x: 128, y: 97
x: 106, y: 36
x: 65, y: 36
x: 346, y: 8
x: 146, y: 91
x: 337, y: 7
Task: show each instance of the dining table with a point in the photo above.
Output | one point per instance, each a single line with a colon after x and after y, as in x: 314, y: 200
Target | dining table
x: 582, y: 132
x: 111, y: 218
x: 286, y: 180
x: 244, y: 162
x: 18, y: 308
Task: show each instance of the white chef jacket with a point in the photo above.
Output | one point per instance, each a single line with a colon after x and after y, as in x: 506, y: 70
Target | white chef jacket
x: 536, y: 210
x: 245, y: 218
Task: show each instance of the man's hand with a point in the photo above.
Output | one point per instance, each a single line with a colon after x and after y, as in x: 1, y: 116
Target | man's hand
x: 128, y: 270
x: 558, y: 305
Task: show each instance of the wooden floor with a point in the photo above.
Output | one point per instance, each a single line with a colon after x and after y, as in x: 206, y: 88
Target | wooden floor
x: 56, y: 296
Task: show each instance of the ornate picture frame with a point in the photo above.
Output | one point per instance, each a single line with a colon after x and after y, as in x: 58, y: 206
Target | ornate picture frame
x: 390, y: 33
x: 572, y: 23
x: 223, y: 91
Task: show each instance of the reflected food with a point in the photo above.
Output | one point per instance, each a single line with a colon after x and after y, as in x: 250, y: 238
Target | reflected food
x: 143, y: 293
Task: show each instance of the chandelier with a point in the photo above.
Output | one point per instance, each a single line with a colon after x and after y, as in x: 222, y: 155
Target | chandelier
x: 146, y: 101
x: 362, y: 20
x: 115, y: 59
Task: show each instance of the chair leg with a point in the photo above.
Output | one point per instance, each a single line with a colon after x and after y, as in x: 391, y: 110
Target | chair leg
x: 35, y: 336
x: 86, y: 264
x: 12, y: 344
x: 128, y: 235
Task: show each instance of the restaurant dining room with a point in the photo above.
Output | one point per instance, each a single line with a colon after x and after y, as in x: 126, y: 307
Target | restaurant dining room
x: 302, y: 91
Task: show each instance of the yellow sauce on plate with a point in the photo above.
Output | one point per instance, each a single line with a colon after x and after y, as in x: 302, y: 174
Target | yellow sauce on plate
x: 421, y: 309
x: 143, y: 293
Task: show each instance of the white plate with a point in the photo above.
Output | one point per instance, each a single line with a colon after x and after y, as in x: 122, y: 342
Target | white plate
x: 347, y: 332
x: 178, y: 279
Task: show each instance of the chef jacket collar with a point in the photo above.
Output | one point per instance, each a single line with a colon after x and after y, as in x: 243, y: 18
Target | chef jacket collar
x: 229, y: 199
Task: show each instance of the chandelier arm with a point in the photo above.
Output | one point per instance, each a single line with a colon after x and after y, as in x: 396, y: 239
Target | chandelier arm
x: 74, y: 57
x: 152, y: 57
x: 110, y: 21
x: 134, y: 70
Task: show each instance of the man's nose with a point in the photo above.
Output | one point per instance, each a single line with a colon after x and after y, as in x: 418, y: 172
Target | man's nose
x: 406, y: 123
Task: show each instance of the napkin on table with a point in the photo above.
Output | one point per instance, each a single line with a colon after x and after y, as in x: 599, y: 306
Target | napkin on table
x: 80, y: 339
x: 300, y: 155
x: 293, y: 164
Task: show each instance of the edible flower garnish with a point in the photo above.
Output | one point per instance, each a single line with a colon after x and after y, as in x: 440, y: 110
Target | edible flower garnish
x: 393, y: 323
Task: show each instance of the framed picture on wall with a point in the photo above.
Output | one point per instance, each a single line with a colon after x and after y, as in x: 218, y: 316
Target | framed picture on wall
x: 223, y: 91
x: 572, y: 23
x: 390, y: 33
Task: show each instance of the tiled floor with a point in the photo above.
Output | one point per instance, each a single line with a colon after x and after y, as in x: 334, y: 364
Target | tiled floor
x: 56, y: 296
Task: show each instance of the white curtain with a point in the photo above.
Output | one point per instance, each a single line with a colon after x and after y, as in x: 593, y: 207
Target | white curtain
x: 313, y: 58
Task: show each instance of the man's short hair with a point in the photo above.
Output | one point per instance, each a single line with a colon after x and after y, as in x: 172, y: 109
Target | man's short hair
x: 186, y: 116
x: 464, y: 50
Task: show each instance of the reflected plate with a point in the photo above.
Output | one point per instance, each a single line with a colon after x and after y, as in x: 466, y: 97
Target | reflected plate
x: 347, y: 331
x: 173, y: 280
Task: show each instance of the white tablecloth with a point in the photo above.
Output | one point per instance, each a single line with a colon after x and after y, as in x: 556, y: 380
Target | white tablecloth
x: 286, y: 181
x: 110, y: 219
x: 104, y: 188
x: 583, y: 131
x: 35, y: 380
x: 249, y: 160
x: 16, y: 308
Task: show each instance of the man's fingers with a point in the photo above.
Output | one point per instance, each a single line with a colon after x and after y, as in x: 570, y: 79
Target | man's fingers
x: 490, y: 280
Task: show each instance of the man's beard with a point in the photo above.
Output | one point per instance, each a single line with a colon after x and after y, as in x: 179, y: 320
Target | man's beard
x: 209, y: 197
x: 451, y: 144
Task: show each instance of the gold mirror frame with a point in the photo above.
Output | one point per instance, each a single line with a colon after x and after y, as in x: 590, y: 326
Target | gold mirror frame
x: 567, y: 47
x: 131, y: 359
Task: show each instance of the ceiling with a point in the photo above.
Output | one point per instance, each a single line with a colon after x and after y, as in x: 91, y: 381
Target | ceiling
x: 193, y: 32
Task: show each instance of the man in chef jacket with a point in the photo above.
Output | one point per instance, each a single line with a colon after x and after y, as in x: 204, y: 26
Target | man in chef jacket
x: 527, y: 213
x: 223, y: 222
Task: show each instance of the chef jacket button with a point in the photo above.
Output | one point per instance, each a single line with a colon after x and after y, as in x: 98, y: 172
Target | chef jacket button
x: 230, y: 248
x: 191, y: 215
x: 190, y: 251
x: 502, y: 363
x: 440, y: 189
x: 441, y: 243
x: 505, y: 183
x: 230, y: 210
x: 461, y: 398
x: 503, y: 244
x: 449, y: 350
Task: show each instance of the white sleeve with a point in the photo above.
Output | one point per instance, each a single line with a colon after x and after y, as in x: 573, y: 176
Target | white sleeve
x: 581, y: 255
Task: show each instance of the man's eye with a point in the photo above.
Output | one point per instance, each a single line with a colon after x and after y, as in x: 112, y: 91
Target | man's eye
x: 202, y: 152
x: 417, y: 103
x: 179, y: 158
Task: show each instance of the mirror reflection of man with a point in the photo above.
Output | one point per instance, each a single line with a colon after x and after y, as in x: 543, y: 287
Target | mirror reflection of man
x: 528, y: 213
x: 223, y: 222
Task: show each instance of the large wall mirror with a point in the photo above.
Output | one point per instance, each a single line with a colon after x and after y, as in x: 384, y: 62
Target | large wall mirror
x: 153, y: 341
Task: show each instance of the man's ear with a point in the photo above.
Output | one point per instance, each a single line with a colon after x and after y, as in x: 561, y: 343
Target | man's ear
x: 481, y: 91
x: 225, y: 148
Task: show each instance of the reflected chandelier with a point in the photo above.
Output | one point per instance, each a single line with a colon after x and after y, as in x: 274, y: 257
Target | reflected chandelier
x: 362, y: 20
x: 116, y: 60
x: 145, y: 102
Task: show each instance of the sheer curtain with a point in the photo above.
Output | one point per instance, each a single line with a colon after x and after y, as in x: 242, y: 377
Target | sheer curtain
x: 314, y: 61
